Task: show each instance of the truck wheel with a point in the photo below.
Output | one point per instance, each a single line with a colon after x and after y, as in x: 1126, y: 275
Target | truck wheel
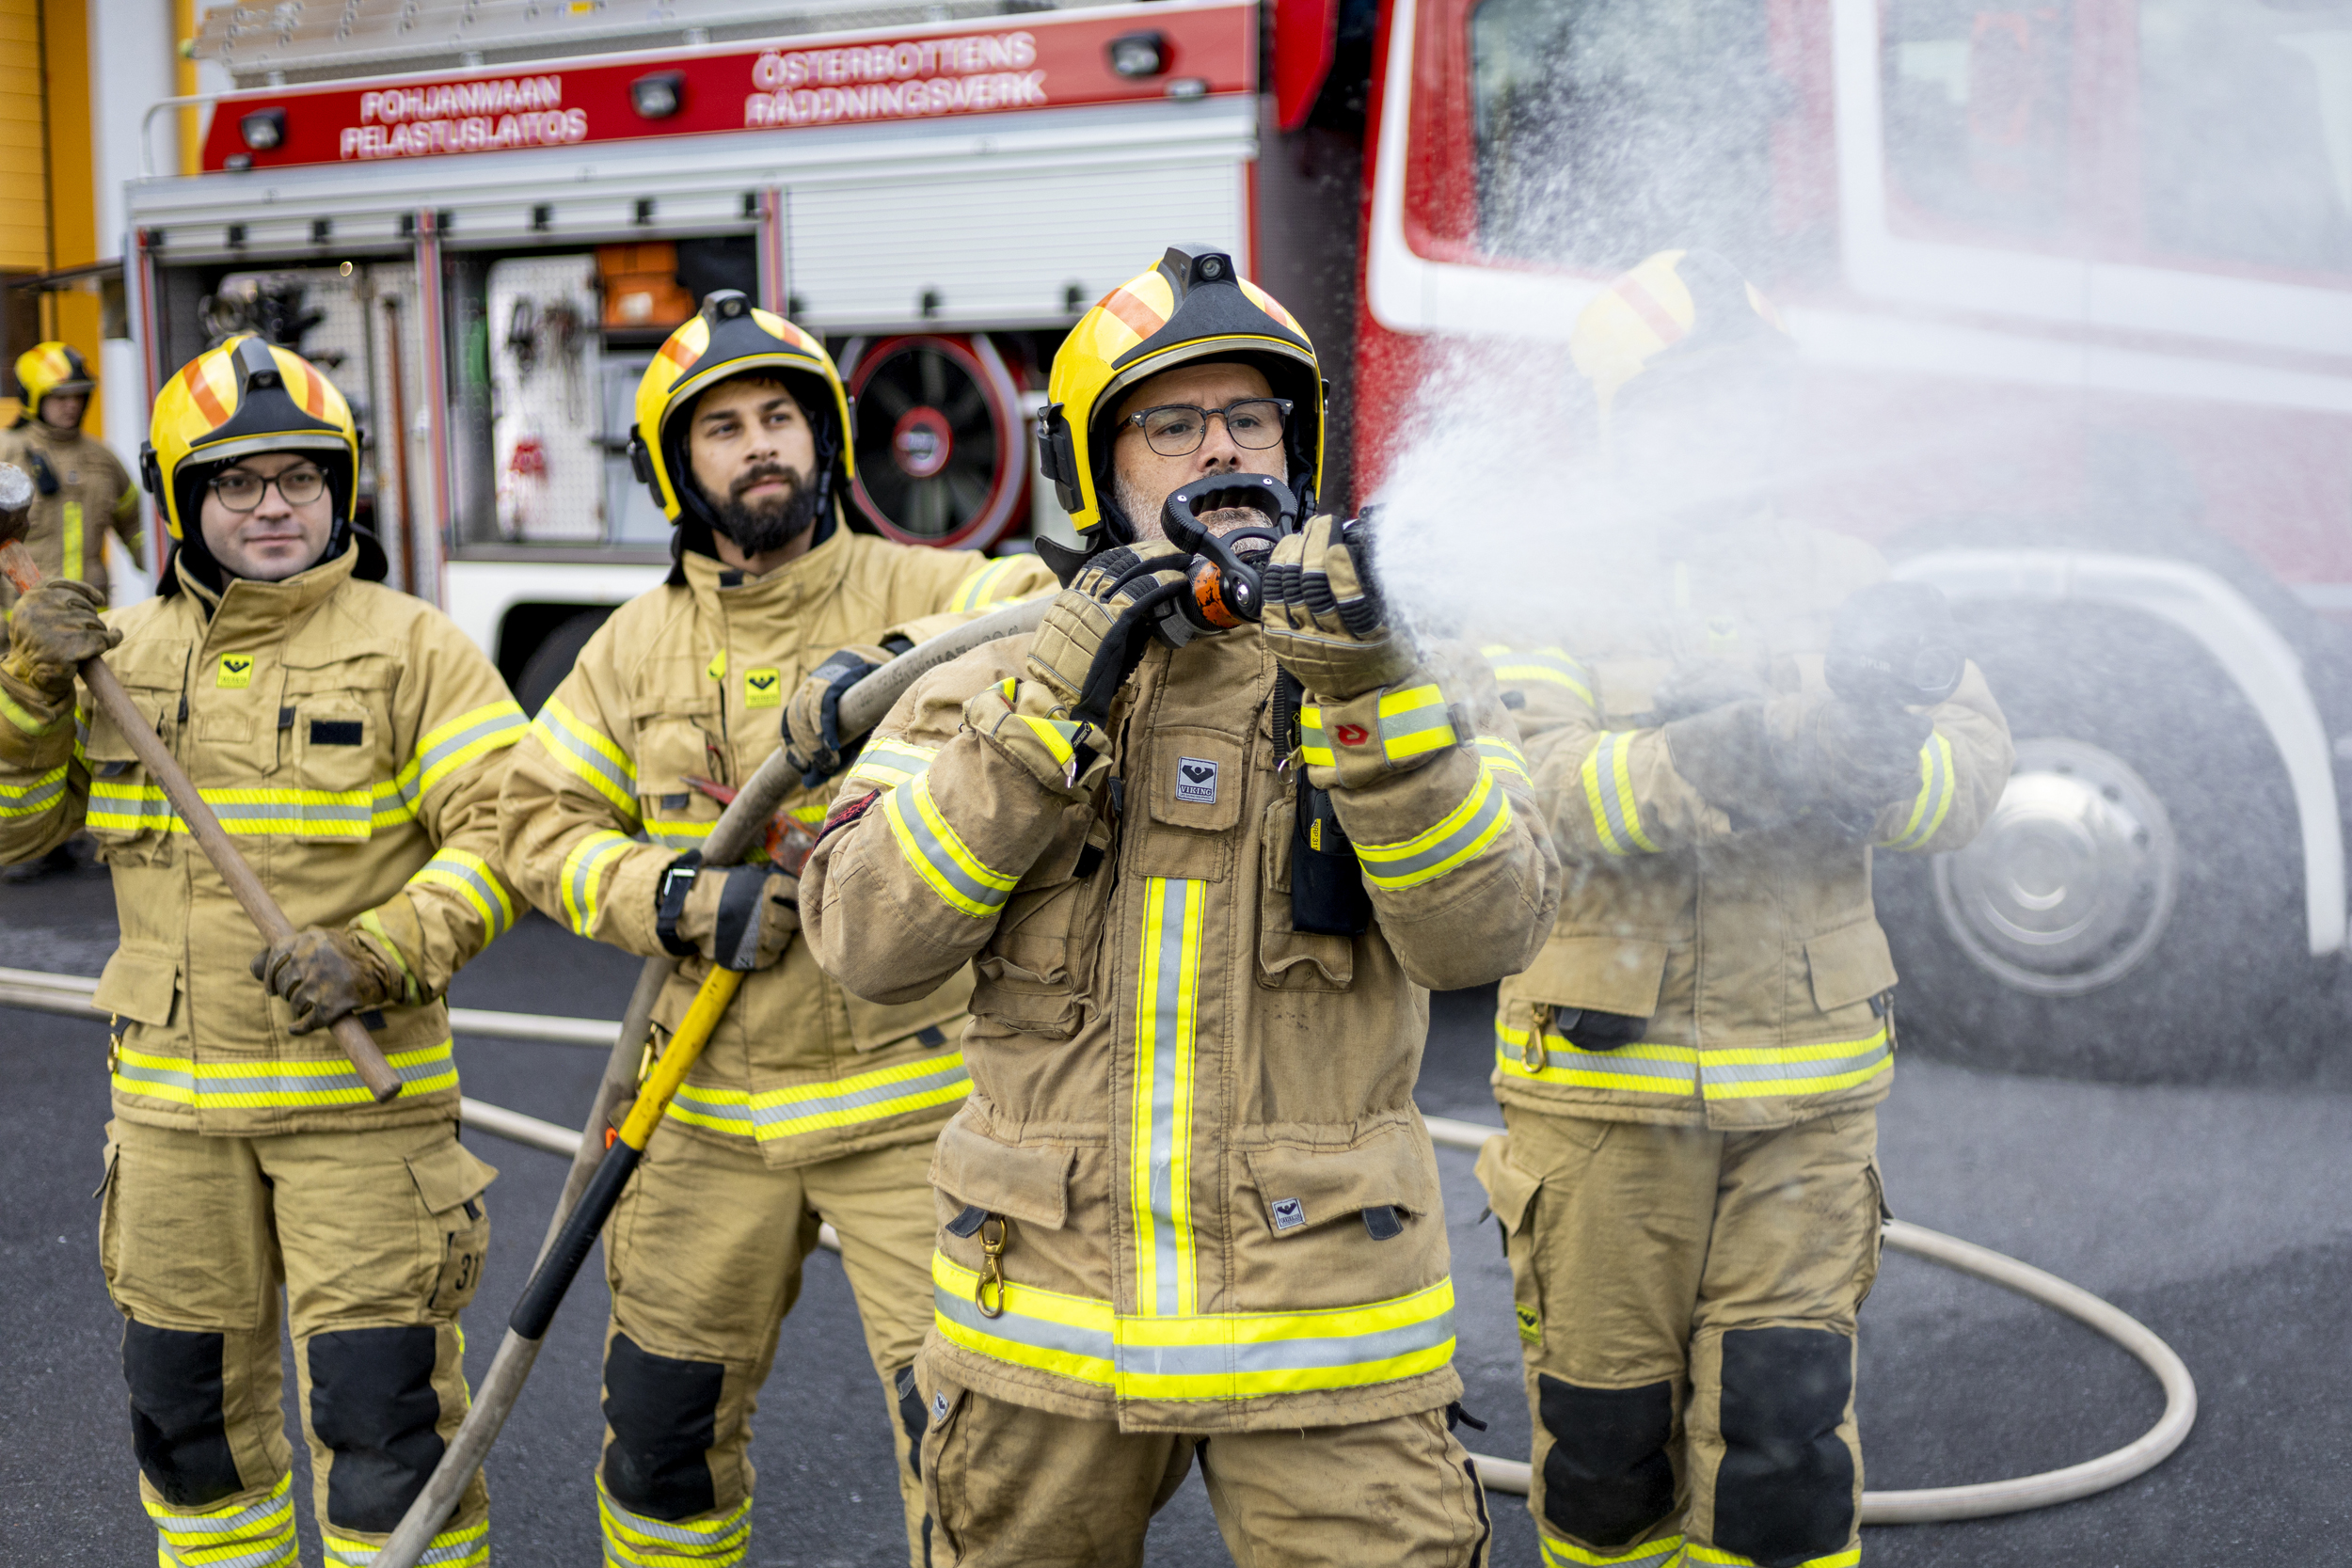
x: 553, y: 659
x: 2133, y: 908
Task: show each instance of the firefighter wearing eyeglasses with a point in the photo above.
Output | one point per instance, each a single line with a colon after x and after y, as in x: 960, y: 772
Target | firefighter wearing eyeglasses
x: 81, y: 489
x: 351, y: 740
x: 1189, y: 1212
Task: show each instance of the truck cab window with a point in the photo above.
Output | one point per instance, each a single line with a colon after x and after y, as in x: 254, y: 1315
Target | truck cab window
x: 2246, y: 131
x: 1977, y: 115
x: 1610, y: 129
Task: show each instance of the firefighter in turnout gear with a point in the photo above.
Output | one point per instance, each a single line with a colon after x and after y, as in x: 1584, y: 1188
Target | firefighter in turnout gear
x: 350, y: 739
x: 809, y: 1104
x: 80, y: 488
x: 1689, y: 1185
x: 1190, y: 1210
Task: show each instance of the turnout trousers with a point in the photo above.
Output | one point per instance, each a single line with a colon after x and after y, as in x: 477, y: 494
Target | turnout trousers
x: 376, y: 1238
x: 704, y: 1255
x: 1686, y: 1304
x: 1013, y: 1486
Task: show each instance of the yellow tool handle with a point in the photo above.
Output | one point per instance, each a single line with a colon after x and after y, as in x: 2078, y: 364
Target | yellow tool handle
x: 686, y: 1047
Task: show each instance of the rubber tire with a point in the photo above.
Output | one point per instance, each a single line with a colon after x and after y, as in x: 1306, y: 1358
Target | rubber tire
x: 553, y: 659
x: 2230, y: 992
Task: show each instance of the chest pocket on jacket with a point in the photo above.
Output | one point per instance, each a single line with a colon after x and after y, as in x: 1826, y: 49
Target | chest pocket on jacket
x: 670, y: 749
x: 1288, y: 958
x: 127, y: 811
x: 1191, y: 791
x: 1037, y: 967
x: 335, y: 744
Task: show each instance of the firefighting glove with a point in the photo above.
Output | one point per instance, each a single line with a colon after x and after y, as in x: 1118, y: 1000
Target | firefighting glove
x: 1767, y: 762
x: 739, y: 917
x: 813, y: 741
x: 52, y: 630
x: 1703, y: 686
x: 324, y: 976
x: 1096, y: 630
x: 1324, y: 616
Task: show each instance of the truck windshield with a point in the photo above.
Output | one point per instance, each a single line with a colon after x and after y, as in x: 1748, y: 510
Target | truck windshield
x: 1610, y: 129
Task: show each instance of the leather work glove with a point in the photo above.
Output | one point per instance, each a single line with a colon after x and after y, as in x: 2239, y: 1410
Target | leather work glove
x: 1095, y: 631
x: 324, y: 975
x: 1854, y: 758
x: 53, y: 629
x: 1324, y: 618
x: 740, y: 917
x: 813, y: 741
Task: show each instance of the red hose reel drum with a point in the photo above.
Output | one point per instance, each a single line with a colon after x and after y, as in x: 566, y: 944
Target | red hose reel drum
x: 942, y: 457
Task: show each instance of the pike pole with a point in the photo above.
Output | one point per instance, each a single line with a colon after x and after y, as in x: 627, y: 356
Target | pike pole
x: 598, y: 1175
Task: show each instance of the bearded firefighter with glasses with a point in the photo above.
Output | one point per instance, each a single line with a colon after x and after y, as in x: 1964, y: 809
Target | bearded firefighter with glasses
x: 1207, y: 871
x: 351, y: 740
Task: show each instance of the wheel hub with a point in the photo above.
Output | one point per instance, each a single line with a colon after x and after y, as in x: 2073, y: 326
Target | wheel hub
x: 2071, y: 882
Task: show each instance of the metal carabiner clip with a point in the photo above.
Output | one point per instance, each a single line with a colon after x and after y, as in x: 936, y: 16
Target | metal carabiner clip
x: 1534, y: 1055
x: 991, y: 1248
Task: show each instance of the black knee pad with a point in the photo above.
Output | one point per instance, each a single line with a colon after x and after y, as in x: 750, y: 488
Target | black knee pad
x: 1785, y: 1490
x: 372, y: 1405
x: 664, y: 1417
x: 1607, y: 1477
x: 913, y: 1417
x: 179, y: 1429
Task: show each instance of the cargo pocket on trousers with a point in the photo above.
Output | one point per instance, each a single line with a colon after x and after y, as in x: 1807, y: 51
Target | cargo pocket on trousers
x: 450, y: 1182
x: 109, y: 1230
x: 1511, y: 1195
x: 1881, y: 1214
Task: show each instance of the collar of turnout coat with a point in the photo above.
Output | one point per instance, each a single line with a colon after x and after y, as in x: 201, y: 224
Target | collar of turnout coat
x: 264, y: 608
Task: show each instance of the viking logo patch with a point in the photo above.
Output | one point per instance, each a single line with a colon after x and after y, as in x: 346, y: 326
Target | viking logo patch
x: 236, y: 670
x: 1196, y: 780
x: 1289, y: 1214
x: 1530, y: 1326
x: 762, y: 689
x: 939, y: 1405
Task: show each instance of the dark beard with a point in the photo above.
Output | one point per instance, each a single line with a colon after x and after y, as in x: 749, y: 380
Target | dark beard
x: 769, y: 525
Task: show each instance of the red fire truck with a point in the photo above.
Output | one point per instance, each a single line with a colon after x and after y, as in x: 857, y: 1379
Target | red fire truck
x: 2073, y: 280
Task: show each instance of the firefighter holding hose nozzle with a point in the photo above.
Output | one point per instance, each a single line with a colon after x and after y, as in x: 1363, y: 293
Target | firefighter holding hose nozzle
x: 1190, y: 1210
x: 1689, y: 1190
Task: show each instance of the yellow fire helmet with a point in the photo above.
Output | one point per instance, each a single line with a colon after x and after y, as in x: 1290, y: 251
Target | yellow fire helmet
x: 1193, y: 306
x: 242, y: 397
x: 731, y: 337
x: 1678, y: 311
x: 49, y: 368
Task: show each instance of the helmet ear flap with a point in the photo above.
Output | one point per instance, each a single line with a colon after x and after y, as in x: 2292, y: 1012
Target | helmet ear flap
x: 151, y: 471
x: 640, y: 458
x: 1058, y: 457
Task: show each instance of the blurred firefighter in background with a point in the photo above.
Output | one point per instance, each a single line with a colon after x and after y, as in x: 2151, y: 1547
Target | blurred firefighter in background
x: 1688, y: 1184
x: 810, y: 1104
x: 351, y: 740
x: 1189, y: 1212
x: 80, y: 490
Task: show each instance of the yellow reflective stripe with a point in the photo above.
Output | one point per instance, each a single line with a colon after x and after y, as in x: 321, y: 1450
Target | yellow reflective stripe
x: 470, y: 877
x: 1550, y: 666
x: 1637, y: 1069
x: 979, y: 590
x: 1503, y: 756
x: 446, y: 748
x: 249, y: 1535
x: 131, y: 805
x: 1461, y: 835
x: 1413, y: 722
x: 1057, y: 736
x: 588, y: 755
x: 636, y: 1542
x: 24, y: 718
x: 582, y: 876
x: 1713, y: 1556
x: 453, y: 1548
x: 238, y: 1085
x: 1315, y: 747
x: 35, y: 799
x: 1608, y: 775
x: 1223, y: 1356
x: 71, y: 561
x: 939, y: 854
x: 1758, y: 1073
x: 1159, y: 1128
x: 892, y: 763
x: 1661, y: 1553
x: 1936, y: 789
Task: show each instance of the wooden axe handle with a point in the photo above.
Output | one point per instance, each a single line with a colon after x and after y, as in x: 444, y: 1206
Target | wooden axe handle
x: 349, y: 1032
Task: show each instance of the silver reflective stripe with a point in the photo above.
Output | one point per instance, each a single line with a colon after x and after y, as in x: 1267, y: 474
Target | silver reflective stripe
x: 1431, y: 715
x: 454, y: 1545
x: 730, y: 1114
x: 908, y: 802
x: 1621, y: 1061
x: 1650, y: 1554
x: 846, y: 1105
x: 1095, y: 1344
x: 1869, y: 1054
x: 1165, y: 1025
x: 1385, y: 871
x: 705, y: 1533
x: 418, y: 777
x: 33, y: 797
x: 1282, y: 1355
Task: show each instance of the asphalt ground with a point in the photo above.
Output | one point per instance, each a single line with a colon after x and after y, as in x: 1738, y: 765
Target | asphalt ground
x: 2216, y: 1216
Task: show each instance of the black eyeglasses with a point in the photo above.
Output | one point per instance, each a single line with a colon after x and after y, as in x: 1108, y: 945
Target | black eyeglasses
x: 240, y: 490
x: 1177, y: 429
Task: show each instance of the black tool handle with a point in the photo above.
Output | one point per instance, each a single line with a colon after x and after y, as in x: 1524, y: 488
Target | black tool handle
x: 556, y: 1271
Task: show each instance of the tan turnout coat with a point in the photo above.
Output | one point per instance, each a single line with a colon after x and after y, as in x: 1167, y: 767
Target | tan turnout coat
x: 67, y: 532
x: 1194, y: 1124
